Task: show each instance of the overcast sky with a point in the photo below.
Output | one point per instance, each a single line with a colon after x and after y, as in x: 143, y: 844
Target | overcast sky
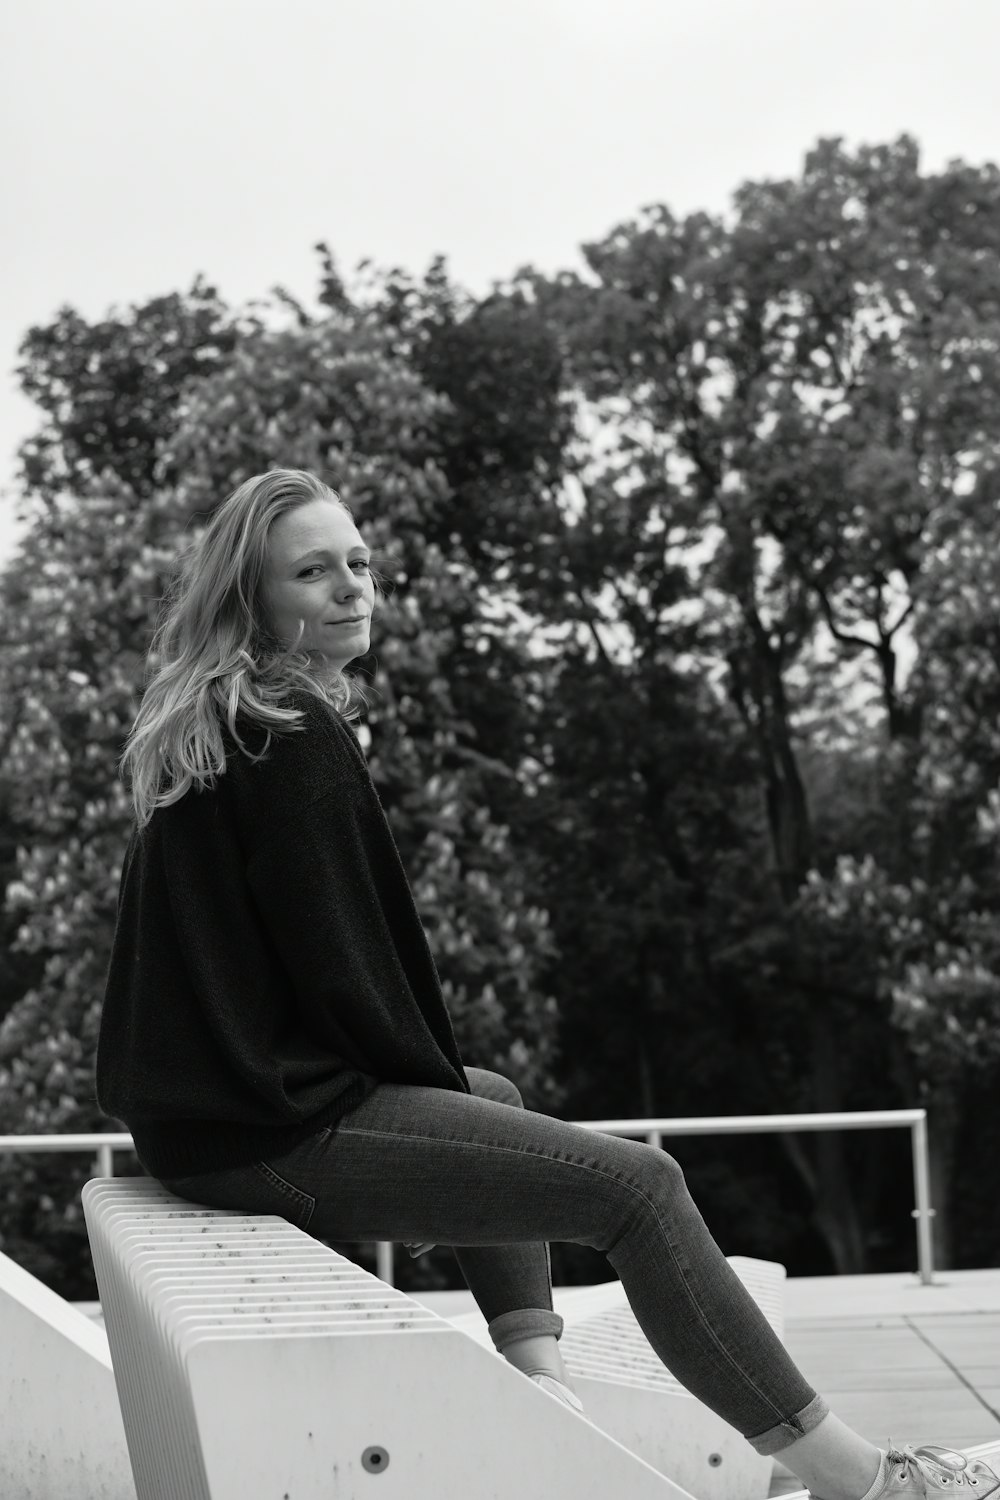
x: 145, y: 141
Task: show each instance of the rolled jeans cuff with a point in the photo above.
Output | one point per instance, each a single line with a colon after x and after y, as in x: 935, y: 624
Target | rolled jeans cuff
x: 786, y: 1433
x: 524, y: 1323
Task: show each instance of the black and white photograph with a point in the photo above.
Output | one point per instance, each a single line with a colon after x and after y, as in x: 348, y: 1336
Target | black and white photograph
x: 500, y: 750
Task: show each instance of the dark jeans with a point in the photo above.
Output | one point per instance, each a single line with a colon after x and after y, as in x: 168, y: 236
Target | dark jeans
x: 496, y: 1182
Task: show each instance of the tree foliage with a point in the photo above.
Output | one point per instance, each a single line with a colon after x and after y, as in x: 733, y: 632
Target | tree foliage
x: 815, y: 381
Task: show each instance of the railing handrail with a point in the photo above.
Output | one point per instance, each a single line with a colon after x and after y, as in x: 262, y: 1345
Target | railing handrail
x: 121, y: 1140
x: 734, y: 1124
x: 88, y: 1140
x: 105, y: 1143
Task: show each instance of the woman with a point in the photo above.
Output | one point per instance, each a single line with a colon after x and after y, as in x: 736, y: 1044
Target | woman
x: 274, y: 1033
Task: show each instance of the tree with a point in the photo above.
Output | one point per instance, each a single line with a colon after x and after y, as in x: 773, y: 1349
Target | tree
x: 812, y: 382
x: 110, y: 389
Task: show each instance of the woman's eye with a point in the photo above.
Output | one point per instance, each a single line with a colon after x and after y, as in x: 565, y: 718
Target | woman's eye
x: 358, y: 562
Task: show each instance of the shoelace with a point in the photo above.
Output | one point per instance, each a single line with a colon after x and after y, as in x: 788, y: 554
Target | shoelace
x: 931, y: 1462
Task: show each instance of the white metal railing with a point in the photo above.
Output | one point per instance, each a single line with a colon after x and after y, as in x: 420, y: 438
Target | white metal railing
x: 106, y: 1143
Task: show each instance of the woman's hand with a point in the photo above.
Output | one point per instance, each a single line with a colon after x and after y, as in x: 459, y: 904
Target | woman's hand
x: 420, y: 1248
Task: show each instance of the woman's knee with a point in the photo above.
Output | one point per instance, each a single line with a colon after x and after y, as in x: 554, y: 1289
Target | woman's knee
x: 648, y: 1191
x: 486, y: 1084
x: 512, y: 1094
x: 663, y: 1173
x: 673, y: 1170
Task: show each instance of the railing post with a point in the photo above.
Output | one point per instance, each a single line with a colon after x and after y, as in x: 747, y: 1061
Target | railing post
x: 105, y: 1161
x: 383, y: 1261
x: 923, y: 1213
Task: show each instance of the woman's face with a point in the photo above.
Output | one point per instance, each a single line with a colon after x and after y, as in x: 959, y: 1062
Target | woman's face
x: 317, y: 571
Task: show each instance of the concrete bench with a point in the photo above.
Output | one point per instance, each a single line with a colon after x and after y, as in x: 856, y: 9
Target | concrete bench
x: 252, y: 1360
x: 61, y: 1433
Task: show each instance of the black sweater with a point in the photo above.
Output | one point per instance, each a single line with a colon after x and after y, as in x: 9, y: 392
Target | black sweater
x: 269, y: 968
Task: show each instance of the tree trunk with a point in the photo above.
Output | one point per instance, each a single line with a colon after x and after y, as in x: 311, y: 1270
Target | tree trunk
x: 645, y: 1080
x: 942, y: 1135
x: 836, y: 1213
x: 822, y: 1165
x: 836, y: 1208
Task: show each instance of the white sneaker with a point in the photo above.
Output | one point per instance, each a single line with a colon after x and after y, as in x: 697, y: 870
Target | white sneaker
x: 935, y: 1471
x: 556, y: 1388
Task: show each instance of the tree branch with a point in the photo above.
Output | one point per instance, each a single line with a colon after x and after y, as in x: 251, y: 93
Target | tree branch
x: 589, y: 621
x: 843, y: 636
x: 486, y: 762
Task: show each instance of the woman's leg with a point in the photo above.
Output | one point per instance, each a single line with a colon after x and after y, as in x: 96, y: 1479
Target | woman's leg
x: 832, y: 1459
x: 496, y: 1183
x: 520, y: 1273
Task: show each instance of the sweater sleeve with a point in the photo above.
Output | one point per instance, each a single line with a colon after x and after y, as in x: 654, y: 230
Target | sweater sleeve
x: 334, y: 898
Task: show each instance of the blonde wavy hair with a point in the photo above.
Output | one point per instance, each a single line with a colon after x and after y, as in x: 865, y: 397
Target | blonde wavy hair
x: 213, y: 653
